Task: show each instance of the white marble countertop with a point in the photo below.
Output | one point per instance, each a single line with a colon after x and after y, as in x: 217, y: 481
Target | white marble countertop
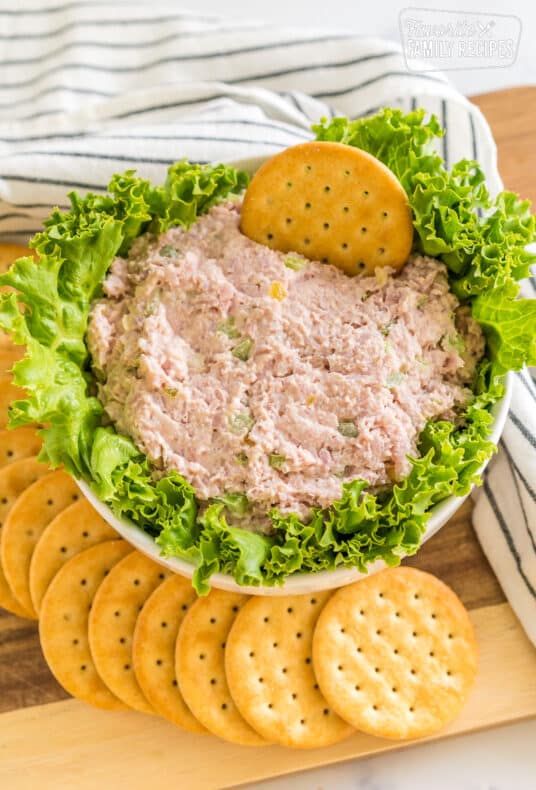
x: 500, y: 759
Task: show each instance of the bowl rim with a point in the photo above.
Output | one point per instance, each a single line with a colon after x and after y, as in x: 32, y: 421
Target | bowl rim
x: 299, y: 583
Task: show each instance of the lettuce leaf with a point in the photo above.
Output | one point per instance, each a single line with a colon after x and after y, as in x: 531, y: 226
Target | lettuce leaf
x: 481, y: 242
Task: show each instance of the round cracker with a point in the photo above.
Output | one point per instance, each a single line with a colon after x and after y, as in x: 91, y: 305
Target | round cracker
x: 73, y: 530
x: 153, y: 650
x: 9, y: 392
x: 33, y: 511
x: 270, y: 672
x: 200, y: 666
x: 14, y: 479
x: 332, y: 203
x: 17, y: 443
x: 63, y: 623
x: 112, y: 622
x: 395, y: 654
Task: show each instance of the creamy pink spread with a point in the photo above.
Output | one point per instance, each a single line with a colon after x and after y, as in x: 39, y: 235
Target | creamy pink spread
x: 249, y: 370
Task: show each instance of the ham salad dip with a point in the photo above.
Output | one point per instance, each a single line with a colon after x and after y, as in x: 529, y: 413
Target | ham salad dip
x: 256, y: 372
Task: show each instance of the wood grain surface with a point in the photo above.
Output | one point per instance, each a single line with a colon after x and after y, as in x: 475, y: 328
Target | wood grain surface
x: 78, y: 736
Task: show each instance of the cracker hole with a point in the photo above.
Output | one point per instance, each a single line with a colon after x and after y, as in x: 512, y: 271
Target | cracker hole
x: 63, y: 549
x: 308, y: 205
x: 50, y: 502
x: 431, y: 654
x: 344, y: 245
x: 158, y: 662
x: 184, y: 607
x: 327, y: 188
x: 3, y: 500
x: 362, y: 612
x: 284, y: 670
x: 122, y: 640
x: 261, y: 680
x: 251, y: 655
x: 201, y: 656
x: 10, y: 453
x: 416, y: 596
x: 414, y: 633
x: 75, y: 641
x: 374, y: 707
x: 83, y: 667
x: 85, y: 534
x: 140, y: 607
x: 379, y: 632
x: 299, y: 635
x: 288, y: 220
x: 357, y: 688
x: 137, y: 582
x: 290, y: 610
x: 212, y: 681
x: 289, y: 184
x: 380, y: 595
x: 162, y: 576
x: 394, y: 690
x: 324, y: 260
x: 224, y: 706
x: 212, y: 620
x: 174, y: 682
x: 384, y: 214
x: 266, y: 619
x: 377, y: 670
x: 29, y: 533
x: 449, y: 673
x: 413, y: 671
x: 223, y: 645
x: 358, y: 650
x: 363, y: 229
x: 269, y: 236
x: 163, y: 624
x: 75, y: 497
x: 346, y: 172
x: 307, y: 660
x: 433, y: 616
x: 326, y: 226
x: 340, y: 667
x: 450, y: 636
x: 270, y: 706
x: 274, y: 644
x: 343, y: 630
x: 411, y: 709
x: 83, y: 582
x: 381, y: 250
x: 366, y: 193
x: 326, y: 711
x: 302, y: 721
x: 106, y: 572
x: 126, y: 667
x: 397, y: 614
x: 294, y: 695
x: 117, y: 613
x: 395, y: 651
x: 307, y: 240
x: 235, y: 608
x: 315, y: 686
x: 308, y: 168
x: 345, y: 209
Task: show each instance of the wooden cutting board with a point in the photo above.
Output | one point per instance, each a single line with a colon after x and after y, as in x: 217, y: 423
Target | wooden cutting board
x: 50, y: 741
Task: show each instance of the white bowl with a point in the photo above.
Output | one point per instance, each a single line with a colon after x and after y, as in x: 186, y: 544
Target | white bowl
x: 300, y: 583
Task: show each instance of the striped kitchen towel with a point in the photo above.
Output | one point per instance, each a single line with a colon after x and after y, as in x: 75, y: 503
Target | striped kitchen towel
x: 88, y: 89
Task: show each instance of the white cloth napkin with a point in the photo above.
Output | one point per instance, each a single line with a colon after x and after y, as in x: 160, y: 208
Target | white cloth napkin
x: 89, y: 89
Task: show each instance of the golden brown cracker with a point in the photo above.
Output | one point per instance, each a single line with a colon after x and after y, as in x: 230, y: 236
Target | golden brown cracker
x: 73, y: 530
x: 14, y: 479
x: 63, y: 622
x: 268, y: 661
x: 17, y: 443
x: 153, y: 650
x: 112, y: 622
x: 24, y: 525
x: 332, y: 203
x: 395, y: 654
x: 200, y: 666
